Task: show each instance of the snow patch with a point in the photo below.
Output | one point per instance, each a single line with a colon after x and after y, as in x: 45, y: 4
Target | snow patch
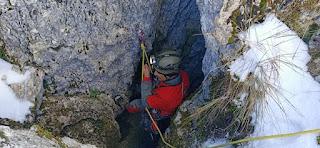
x: 12, y: 107
x: 277, y: 56
x: 215, y: 142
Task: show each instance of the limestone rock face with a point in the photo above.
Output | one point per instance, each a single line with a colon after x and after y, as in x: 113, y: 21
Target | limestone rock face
x: 83, y: 47
x: 32, y: 88
x: 314, y: 51
x: 209, y: 11
x: 30, y: 138
x: 179, y: 27
x: 88, y: 119
x: 80, y: 45
x: 88, y: 53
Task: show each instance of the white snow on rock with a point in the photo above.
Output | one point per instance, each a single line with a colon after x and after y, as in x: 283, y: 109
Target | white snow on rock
x: 12, y: 107
x: 277, y: 56
x: 215, y: 142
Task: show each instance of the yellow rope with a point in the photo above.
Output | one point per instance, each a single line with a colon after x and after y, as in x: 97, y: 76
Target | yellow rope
x: 269, y: 137
x: 154, y: 122
x: 145, y: 56
x: 143, y: 48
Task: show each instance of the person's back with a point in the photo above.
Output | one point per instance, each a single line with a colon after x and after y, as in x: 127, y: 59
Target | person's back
x: 167, y: 97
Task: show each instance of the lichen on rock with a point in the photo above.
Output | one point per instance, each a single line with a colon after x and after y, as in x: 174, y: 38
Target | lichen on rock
x: 314, y: 51
x: 90, y: 120
x: 31, y: 138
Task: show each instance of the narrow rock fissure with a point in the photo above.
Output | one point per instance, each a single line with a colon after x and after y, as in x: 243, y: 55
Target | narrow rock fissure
x: 182, y: 33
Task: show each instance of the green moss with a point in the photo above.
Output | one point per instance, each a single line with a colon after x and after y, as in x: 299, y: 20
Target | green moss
x: 317, y: 55
x: 318, y: 140
x: 94, y: 93
x: 312, y: 29
x: 3, y: 136
x: 42, y: 132
x: 263, y: 4
x: 3, y: 54
x: 234, y: 24
x: 294, y: 16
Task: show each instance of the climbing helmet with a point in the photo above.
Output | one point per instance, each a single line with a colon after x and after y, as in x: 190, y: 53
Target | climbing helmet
x: 166, y: 62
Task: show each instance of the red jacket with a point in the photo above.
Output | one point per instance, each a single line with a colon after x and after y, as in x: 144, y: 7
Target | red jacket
x: 165, y: 98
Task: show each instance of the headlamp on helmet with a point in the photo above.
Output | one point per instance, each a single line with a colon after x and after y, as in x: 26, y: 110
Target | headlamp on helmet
x: 152, y: 60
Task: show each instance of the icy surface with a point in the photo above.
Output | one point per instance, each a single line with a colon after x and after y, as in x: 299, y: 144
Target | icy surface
x: 10, y: 106
x: 278, y: 57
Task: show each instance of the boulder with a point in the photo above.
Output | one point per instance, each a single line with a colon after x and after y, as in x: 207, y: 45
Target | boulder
x: 79, y: 44
x: 89, y: 119
x: 33, y: 138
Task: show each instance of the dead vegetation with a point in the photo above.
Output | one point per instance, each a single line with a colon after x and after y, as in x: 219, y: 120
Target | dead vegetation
x: 231, y: 110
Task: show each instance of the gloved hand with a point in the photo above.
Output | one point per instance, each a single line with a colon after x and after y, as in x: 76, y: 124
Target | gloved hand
x: 135, y: 106
x: 146, y: 70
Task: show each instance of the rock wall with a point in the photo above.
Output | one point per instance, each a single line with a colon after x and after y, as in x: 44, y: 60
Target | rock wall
x: 221, y: 21
x: 89, y: 53
x: 314, y: 51
x: 33, y: 138
x: 178, y: 27
x: 86, y: 118
x: 86, y: 49
x: 81, y: 45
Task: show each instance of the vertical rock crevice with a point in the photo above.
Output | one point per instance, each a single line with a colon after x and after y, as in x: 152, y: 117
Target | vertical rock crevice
x: 178, y: 27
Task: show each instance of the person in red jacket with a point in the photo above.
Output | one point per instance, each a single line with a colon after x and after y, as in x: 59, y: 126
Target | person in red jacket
x: 163, y: 93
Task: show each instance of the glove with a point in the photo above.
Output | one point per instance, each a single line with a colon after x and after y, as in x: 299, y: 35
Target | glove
x: 135, y: 106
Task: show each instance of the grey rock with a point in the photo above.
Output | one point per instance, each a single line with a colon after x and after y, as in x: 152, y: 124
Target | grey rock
x: 84, y: 46
x: 178, y: 27
x: 30, y: 138
x: 315, y: 41
x: 209, y: 10
x: 79, y: 44
x: 190, y: 133
x: 87, y: 119
x: 317, y: 78
x: 32, y: 87
x: 314, y: 51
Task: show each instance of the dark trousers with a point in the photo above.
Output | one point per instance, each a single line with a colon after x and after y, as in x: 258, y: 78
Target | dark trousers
x: 151, y: 138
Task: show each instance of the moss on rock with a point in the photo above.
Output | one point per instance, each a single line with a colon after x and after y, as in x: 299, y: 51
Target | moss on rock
x: 42, y: 132
x: 3, y: 136
x: 83, y: 118
x: 3, y: 54
x: 300, y: 15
